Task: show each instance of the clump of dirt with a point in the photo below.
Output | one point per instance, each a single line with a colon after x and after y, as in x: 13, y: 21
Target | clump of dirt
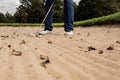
x: 9, y: 46
x: 70, y: 37
x: 5, y: 43
x: 12, y: 37
x: 11, y: 67
x: 16, y: 53
x: 91, y: 48
x: 37, y: 34
x: 85, y: 51
x: 14, y: 33
x: 17, y: 35
x: 78, y: 33
x: 36, y: 48
x: 6, y: 36
x: 49, y: 42
x: 88, y: 34
x: 79, y: 47
x: 57, y: 77
x: 110, y: 47
x: 30, y: 65
x: 118, y: 42
x: 45, y: 60
x: 1, y: 48
x: 65, y: 35
x: 22, y: 42
x: 108, y: 31
x: 60, y: 54
x: 100, y: 52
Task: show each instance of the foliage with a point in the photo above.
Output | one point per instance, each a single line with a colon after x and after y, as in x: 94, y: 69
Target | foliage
x: 30, y: 11
x: 110, y: 19
x: 2, y: 17
x: 9, y: 18
x: 88, y: 9
x: 33, y: 11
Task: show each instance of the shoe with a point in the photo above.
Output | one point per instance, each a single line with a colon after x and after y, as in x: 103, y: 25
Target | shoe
x: 45, y: 32
x: 69, y: 33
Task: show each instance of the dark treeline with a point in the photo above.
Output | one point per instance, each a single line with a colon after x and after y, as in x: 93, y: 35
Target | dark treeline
x: 33, y: 11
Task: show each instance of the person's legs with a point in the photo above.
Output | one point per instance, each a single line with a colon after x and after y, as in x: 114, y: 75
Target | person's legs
x: 68, y: 15
x: 49, y: 19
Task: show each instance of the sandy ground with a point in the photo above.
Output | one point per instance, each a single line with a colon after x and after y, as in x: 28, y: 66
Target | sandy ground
x: 93, y: 53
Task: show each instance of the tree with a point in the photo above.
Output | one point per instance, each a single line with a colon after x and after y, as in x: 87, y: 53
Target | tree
x: 88, y: 9
x: 9, y: 18
x: 21, y: 15
x: 2, y: 17
x: 33, y: 11
x: 30, y: 11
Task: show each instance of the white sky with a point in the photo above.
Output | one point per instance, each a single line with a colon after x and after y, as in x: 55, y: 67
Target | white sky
x: 11, y: 5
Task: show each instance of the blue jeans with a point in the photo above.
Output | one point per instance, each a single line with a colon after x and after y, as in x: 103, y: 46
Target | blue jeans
x: 68, y: 15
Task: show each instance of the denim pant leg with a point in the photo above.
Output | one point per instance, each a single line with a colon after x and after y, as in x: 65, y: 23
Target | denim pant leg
x: 49, y: 19
x: 68, y: 15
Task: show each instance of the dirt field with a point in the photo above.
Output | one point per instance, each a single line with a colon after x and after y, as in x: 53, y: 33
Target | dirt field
x: 93, y: 53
